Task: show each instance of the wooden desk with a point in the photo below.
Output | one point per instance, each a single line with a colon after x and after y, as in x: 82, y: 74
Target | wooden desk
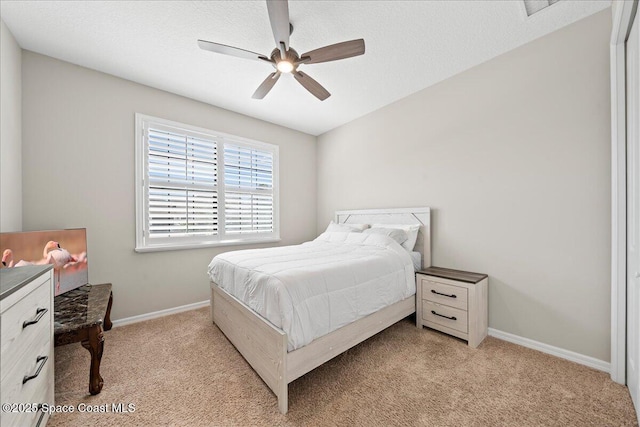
x: 79, y: 316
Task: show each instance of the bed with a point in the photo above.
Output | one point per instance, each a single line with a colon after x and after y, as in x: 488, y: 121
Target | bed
x: 273, y: 347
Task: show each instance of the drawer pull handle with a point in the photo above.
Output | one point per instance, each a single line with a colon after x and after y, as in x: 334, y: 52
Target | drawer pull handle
x: 42, y: 360
x: 442, y: 315
x: 444, y: 295
x: 39, y: 313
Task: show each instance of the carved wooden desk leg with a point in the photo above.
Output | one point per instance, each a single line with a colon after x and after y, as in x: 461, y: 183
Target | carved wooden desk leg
x: 95, y: 345
x: 107, y: 316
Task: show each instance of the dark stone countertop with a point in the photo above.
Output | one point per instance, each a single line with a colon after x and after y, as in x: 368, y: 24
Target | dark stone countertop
x: 81, y: 308
x: 12, y: 279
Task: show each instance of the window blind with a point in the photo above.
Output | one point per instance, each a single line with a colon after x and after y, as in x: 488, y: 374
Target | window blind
x: 182, y: 173
x: 198, y: 187
x: 248, y: 181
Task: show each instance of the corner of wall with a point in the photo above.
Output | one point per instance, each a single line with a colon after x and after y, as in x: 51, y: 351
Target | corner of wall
x: 10, y: 131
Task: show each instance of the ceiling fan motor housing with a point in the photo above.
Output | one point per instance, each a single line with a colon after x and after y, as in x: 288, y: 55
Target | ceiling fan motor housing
x: 291, y: 56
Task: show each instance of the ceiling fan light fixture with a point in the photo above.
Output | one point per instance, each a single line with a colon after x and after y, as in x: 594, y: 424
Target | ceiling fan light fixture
x: 285, y: 66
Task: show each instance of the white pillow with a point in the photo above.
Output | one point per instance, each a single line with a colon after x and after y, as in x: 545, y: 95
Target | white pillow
x: 411, y: 230
x: 346, y: 228
x: 358, y: 226
x: 396, y: 234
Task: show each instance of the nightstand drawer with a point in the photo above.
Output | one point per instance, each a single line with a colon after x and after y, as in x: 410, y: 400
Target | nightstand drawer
x: 453, y: 296
x: 446, y: 316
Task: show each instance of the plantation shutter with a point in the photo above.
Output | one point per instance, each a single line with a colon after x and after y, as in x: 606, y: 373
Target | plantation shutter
x: 248, y: 181
x: 183, y: 194
x: 198, y: 187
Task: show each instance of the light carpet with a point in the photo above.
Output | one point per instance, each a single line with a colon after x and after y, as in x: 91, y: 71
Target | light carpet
x: 180, y: 370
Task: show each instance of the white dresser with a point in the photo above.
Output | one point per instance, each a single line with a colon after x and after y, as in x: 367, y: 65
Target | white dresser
x: 26, y: 344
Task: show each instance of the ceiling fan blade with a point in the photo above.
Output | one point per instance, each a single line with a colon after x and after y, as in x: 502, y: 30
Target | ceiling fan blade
x: 312, y: 86
x: 266, y: 85
x: 230, y: 50
x: 279, y: 17
x: 334, y: 52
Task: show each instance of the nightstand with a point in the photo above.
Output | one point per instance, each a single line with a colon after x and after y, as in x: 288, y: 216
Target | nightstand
x: 454, y: 302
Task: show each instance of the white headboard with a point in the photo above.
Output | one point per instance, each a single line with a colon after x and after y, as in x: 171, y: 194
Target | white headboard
x: 421, y: 216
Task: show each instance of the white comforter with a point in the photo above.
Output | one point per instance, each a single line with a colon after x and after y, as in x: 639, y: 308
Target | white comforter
x: 312, y: 289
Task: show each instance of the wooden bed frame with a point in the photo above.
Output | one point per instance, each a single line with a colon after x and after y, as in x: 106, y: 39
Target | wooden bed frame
x: 265, y: 347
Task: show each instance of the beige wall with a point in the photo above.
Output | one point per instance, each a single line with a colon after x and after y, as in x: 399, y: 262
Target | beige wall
x: 10, y: 132
x: 78, y: 169
x: 512, y: 155
x: 514, y: 158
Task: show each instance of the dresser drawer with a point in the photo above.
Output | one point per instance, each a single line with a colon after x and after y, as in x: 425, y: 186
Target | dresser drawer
x: 26, y: 345
x: 435, y: 313
x: 13, y: 388
x: 18, y: 338
x: 23, y: 418
x: 453, y: 296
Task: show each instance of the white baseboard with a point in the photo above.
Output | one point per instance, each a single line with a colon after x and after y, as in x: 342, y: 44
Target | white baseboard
x: 161, y: 313
x: 562, y: 353
x: 592, y: 362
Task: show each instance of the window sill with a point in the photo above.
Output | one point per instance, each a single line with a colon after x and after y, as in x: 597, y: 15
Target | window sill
x: 178, y: 247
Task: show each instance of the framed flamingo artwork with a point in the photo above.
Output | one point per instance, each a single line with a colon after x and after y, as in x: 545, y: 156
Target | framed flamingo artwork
x: 66, y: 250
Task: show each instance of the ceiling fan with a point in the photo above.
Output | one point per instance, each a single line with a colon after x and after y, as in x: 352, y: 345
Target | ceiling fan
x: 284, y: 58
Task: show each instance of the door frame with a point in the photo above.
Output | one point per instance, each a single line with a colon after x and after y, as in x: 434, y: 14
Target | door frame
x: 623, y: 14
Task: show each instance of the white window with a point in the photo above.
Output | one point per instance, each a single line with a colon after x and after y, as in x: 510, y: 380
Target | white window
x: 196, y: 187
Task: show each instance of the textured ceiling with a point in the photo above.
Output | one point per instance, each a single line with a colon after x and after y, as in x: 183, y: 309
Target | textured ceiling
x: 410, y: 45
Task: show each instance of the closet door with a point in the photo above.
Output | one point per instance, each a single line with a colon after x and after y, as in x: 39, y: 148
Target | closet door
x: 633, y: 212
